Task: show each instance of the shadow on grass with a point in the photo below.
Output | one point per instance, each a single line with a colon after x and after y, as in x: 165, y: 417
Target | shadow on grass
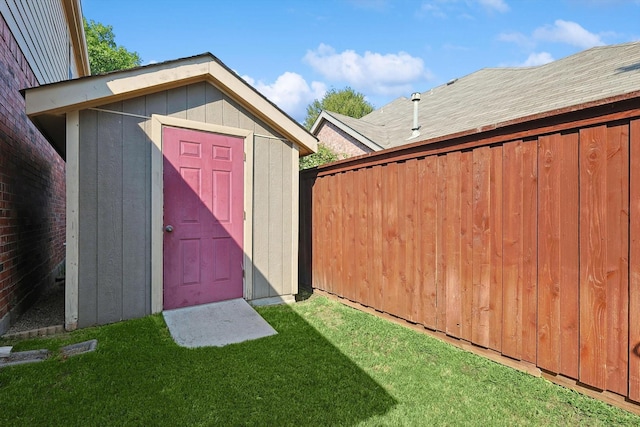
x: 139, y: 376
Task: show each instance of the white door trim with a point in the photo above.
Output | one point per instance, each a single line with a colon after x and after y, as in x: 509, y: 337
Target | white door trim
x: 157, y: 200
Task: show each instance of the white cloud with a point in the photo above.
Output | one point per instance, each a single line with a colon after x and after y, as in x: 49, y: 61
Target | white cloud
x: 497, y: 5
x: 454, y: 47
x: 517, y: 38
x: 382, y: 74
x: 444, y: 8
x: 431, y: 9
x: 568, y: 32
x: 539, y: 58
x: 378, y: 5
x: 290, y: 92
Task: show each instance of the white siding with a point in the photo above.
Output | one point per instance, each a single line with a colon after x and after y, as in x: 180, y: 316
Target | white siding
x: 41, y: 30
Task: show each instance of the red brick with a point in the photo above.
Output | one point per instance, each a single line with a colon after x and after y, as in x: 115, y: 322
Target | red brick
x: 32, y: 186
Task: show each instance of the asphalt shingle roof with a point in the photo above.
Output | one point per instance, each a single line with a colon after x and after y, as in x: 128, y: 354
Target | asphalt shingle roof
x: 496, y: 95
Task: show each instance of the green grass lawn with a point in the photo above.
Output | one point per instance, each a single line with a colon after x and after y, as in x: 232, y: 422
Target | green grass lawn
x: 328, y: 365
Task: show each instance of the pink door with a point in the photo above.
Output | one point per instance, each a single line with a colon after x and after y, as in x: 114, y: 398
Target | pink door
x: 203, y: 217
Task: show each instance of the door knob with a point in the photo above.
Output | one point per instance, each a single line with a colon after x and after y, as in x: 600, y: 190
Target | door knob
x: 169, y: 228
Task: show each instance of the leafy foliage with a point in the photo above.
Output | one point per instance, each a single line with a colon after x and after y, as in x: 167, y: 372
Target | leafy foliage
x: 345, y: 101
x: 104, y: 54
x: 322, y: 156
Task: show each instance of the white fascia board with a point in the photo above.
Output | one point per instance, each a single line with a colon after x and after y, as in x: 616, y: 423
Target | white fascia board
x: 75, y: 94
x: 263, y: 108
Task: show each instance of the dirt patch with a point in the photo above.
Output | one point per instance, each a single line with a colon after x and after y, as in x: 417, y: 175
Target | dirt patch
x: 47, y: 311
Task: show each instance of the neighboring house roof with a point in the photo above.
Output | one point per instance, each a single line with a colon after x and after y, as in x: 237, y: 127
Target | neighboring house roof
x: 493, y: 96
x: 359, y: 130
x: 47, y: 105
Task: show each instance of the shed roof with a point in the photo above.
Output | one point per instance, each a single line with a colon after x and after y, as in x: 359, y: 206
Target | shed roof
x: 47, y: 105
x: 493, y: 96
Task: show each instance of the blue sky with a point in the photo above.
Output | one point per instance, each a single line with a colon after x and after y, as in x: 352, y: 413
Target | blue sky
x: 294, y: 50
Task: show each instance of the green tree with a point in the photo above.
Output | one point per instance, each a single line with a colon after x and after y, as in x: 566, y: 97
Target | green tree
x: 104, y: 54
x: 322, y: 156
x: 345, y: 101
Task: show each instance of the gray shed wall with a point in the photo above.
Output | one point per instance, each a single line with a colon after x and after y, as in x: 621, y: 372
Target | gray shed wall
x: 115, y: 201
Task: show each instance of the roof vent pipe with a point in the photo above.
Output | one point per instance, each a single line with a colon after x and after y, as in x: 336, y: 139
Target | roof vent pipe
x: 415, y: 98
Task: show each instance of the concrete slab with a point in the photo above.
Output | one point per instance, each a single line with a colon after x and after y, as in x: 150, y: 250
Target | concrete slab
x: 216, y: 324
x: 79, y: 348
x: 5, y: 351
x: 23, y: 357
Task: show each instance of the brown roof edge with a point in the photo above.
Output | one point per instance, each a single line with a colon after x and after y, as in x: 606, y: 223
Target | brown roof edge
x: 618, y: 107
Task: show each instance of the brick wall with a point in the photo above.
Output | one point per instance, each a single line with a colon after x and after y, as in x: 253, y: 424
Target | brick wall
x: 341, y: 142
x: 32, y: 191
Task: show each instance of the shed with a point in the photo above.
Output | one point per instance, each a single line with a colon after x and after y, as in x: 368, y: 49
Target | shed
x: 182, y: 189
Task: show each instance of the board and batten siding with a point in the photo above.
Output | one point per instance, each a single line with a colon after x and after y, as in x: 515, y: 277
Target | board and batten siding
x: 114, y: 272
x: 273, y: 218
x: 42, y: 32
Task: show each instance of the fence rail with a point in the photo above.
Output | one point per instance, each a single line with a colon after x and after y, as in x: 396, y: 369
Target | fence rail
x: 523, y: 239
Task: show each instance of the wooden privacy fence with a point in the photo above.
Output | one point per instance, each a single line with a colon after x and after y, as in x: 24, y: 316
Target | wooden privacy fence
x: 523, y: 239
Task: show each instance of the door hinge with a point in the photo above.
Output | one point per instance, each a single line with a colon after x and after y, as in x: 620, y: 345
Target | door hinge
x: 245, y: 156
x: 244, y: 215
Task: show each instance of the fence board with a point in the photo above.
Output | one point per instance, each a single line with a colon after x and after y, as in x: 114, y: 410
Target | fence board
x: 328, y: 229
x: 593, y: 252
x: 481, y: 246
x: 634, y: 262
x: 318, y: 221
x: 390, y: 248
x: 550, y: 196
x: 350, y: 261
x: 466, y: 244
x: 341, y: 234
x: 427, y: 195
x: 401, y: 296
x: 529, y: 274
x: 323, y: 255
x: 332, y: 190
x: 376, y: 229
x: 519, y: 242
x: 412, y: 235
x: 604, y: 263
x: 441, y: 219
x: 569, y: 307
x: 495, y: 221
x: 513, y: 246
x: 617, y: 268
x: 361, y: 254
x: 558, y: 254
x: 451, y: 245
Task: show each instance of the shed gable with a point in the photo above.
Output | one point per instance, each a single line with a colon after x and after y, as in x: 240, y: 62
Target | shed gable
x: 47, y: 105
